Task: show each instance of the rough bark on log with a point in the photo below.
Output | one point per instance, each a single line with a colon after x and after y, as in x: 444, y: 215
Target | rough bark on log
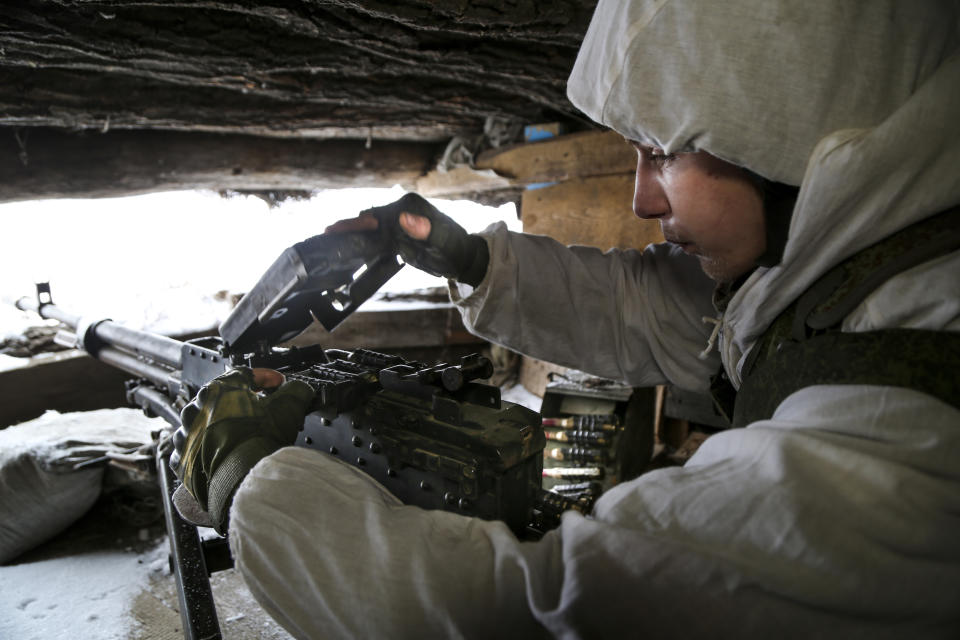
x: 420, y: 69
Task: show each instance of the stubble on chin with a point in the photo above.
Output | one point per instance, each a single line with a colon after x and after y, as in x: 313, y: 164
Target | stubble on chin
x: 718, y: 269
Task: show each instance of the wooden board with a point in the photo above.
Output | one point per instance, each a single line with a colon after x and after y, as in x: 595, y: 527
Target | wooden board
x: 591, y: 211
x: 535, y: 374
x: 460, y: 180
x: 589, y: 153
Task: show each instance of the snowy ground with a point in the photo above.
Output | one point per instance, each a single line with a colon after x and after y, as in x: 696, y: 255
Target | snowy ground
x: 92, y: 584
x: 90, y: 595
x: 156, y: 262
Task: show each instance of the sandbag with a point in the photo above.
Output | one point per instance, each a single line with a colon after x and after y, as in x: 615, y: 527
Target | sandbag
x: 41, y: 492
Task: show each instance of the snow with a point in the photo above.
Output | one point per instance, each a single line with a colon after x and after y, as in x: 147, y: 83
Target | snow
x: 156, y: 262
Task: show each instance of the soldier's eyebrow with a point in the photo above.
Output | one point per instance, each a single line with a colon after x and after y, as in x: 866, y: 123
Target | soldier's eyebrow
x: 646, y: 149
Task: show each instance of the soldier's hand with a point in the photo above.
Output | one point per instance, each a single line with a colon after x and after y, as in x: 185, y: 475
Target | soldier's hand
x: 228, y: 428
x: 425, y: 238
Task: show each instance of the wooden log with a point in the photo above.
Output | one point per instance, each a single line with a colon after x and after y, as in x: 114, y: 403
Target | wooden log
x: 410, y: 68
x: 47, y: 163
x: 592, y: 211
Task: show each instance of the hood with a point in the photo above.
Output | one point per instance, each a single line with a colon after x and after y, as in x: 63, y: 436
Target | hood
x: 856, y: 103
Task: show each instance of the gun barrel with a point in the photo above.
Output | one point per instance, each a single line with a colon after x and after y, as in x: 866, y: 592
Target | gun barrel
x: 93, y: 335
x: 50, y: 311
x: 156, y: 347
x: 134, y: 366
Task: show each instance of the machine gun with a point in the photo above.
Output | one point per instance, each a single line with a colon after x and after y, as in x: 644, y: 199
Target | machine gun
x: 432, y: 435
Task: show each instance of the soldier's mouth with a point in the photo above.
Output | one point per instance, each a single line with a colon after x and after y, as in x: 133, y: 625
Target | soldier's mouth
x: 688, y: 247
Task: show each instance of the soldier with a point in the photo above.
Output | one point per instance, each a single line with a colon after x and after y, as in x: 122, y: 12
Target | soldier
x: 801, y: 159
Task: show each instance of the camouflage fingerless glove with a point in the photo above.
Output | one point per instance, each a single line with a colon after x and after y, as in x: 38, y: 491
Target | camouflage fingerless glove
x: 448, y: 251
x: 227, y: 429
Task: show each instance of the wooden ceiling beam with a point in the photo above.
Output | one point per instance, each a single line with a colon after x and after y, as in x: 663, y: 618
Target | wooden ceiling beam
x: 48, y: 163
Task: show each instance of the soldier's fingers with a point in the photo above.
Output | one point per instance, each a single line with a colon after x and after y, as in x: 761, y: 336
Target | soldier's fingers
x: 267, y: 378
x: 417, y: 227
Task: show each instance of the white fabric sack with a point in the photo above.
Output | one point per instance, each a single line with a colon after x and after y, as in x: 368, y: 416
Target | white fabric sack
x: 40, y: 493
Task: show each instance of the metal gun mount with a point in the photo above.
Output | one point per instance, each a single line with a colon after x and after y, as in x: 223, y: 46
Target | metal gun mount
x: 325, y: 277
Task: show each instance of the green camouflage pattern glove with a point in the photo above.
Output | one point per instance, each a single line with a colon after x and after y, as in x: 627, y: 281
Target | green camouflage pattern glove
x: 448, y: 251
x: 227, y: 429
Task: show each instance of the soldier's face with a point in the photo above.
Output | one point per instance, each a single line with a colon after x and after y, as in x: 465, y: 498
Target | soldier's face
x: 710, y: 208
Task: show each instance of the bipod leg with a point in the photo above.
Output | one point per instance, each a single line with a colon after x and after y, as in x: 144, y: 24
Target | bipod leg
x: 197, y: 609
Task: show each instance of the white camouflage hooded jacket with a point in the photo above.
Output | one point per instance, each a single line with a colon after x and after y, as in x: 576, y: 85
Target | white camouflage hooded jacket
x: 837, y: 517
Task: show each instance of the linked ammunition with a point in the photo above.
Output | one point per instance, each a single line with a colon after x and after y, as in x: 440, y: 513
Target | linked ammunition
x: 577, y: 454
x: 578, y: 487
x: 573, y: 472
x: 585, y: 423
x: 592, y: 438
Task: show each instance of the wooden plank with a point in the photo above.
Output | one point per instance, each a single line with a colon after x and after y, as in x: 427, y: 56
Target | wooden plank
x: 535, y: 374
x: 592, y: 211
x: 577, y: 155
x: 460, y: 180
